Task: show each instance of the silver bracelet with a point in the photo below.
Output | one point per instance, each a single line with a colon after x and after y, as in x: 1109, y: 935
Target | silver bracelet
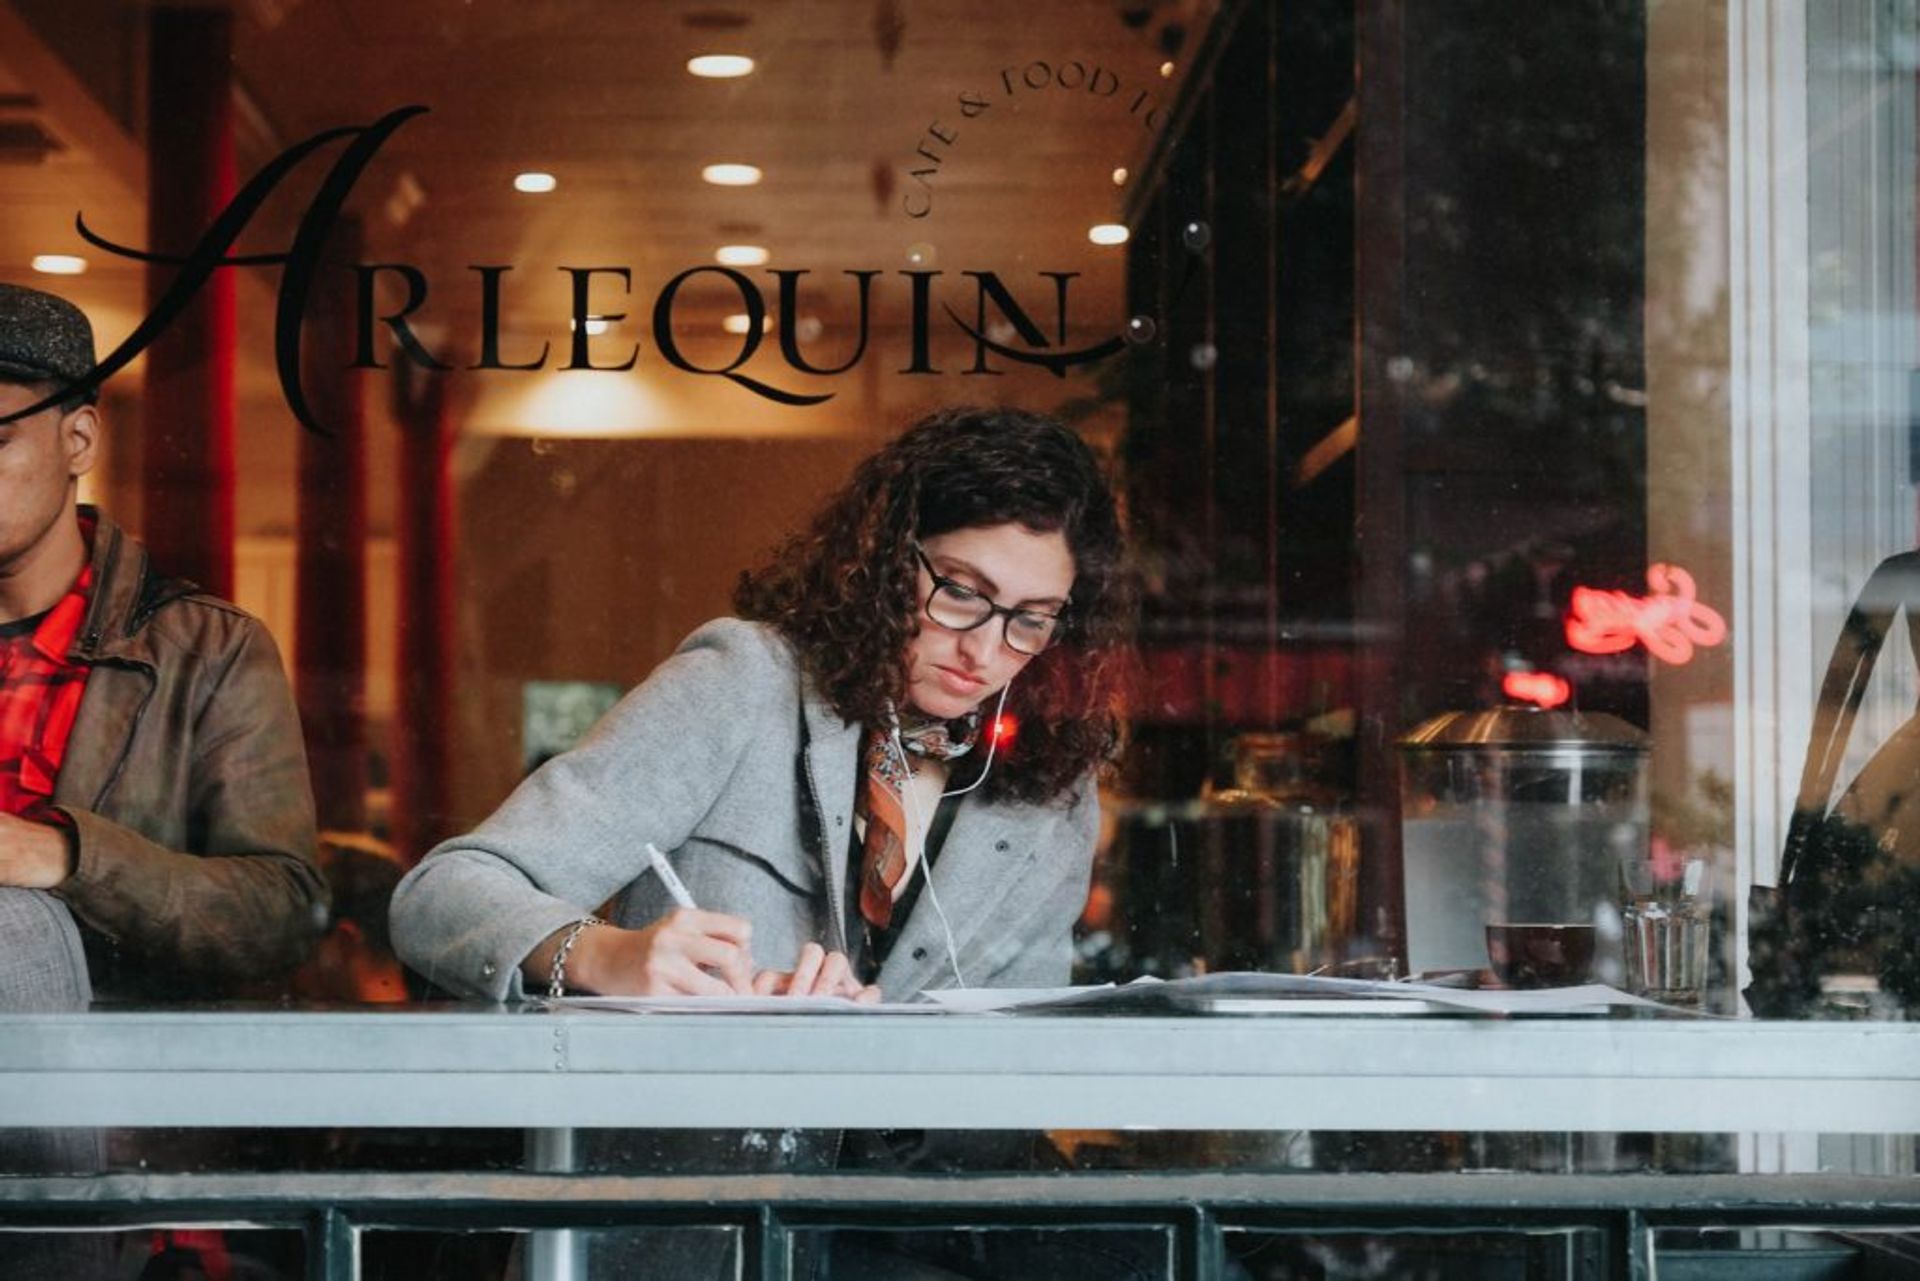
x: 557, y: 984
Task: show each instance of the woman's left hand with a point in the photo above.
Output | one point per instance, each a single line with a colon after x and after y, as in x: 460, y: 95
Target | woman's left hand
x: 817, y: 972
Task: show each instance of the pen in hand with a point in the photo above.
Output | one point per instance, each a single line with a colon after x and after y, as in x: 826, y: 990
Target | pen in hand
x: 669, y: 878
x: 820, y: 973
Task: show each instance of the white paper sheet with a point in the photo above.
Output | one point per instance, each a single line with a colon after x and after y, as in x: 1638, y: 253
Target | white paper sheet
x: 733, y: 1005
x: 1216, y: 994
x: 1257, y: 993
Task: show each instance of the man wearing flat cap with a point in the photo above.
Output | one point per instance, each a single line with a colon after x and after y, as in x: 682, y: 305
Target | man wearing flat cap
x: 152, y: 775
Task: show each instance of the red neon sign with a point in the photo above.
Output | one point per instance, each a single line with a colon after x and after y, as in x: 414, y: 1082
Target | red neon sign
x: 1670, y: 620
x: 1541, y: 688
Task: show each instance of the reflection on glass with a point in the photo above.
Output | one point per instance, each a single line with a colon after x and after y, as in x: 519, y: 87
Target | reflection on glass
x: 696, y: 1254
x: 1111, y: 1254
x: 159, y: 1252
x: 1800, y: 1250
x: 1569, y: 1254
x: 1406, y: 328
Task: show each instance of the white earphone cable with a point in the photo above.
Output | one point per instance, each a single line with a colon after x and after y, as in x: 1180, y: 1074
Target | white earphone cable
x: 906, y: 797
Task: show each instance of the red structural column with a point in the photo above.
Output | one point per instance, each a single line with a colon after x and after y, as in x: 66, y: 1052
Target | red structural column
x: 188, y: 476
x: 330, y: 676
x: 423, y: 721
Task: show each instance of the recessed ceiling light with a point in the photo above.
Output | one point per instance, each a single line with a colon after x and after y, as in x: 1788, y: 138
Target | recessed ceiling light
x: 1166, y: 71
x: 59, y: 264
x: 731, y: 175
x: 1108, y: 233
x: 535, y: 183
x: 739, y: 323
x: 741, y: 255
x: 1120, y: 177
x: 721, y: 66
x: 596, y: 325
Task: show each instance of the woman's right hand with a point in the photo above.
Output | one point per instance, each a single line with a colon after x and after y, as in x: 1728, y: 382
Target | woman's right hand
x: 687, y: 952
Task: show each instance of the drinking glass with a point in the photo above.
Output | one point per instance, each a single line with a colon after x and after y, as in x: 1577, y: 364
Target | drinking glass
x: 1665, y: 918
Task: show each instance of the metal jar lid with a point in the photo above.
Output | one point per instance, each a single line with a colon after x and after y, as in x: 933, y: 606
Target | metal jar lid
x: 1525, y: 729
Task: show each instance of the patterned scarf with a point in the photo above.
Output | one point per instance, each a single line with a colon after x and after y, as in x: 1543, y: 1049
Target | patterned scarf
x: 890, y: 844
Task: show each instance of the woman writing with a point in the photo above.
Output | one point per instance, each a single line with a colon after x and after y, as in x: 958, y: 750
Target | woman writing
x: 831, y: 774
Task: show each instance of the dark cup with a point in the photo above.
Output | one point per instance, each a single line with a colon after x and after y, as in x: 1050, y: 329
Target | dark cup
x: 1545, y: 955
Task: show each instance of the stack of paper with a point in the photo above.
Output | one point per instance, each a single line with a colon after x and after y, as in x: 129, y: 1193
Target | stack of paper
x: 1259, y: 993
x: 1235, y: 993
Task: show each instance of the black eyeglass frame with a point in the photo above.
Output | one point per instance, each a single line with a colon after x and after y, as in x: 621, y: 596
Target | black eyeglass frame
x: 1006, y: 612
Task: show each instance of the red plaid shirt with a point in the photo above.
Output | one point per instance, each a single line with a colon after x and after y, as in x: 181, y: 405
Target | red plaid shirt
x: 40, y: 690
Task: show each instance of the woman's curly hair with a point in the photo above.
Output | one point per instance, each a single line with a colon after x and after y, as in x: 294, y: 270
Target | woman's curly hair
x: 844, y: 592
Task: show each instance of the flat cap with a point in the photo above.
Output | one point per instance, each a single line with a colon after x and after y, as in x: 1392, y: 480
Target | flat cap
x: 43, y: 337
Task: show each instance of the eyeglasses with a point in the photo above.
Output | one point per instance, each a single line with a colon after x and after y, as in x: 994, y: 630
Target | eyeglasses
x: 959, y: 608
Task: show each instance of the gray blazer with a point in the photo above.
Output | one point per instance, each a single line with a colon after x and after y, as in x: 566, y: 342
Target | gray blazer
x: 727, y: 759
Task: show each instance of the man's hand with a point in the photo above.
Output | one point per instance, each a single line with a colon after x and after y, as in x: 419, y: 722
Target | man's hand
x: 818, y: 972
x: 34, y: 856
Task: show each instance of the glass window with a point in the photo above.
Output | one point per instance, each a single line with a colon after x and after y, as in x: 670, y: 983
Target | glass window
x: 1509, y: 414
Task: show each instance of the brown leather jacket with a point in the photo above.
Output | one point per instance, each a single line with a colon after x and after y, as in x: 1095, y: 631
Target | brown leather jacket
x: 186, y: 782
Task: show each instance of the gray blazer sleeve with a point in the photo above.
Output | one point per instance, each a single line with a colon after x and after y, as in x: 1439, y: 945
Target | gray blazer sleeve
x: 574, y: 833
